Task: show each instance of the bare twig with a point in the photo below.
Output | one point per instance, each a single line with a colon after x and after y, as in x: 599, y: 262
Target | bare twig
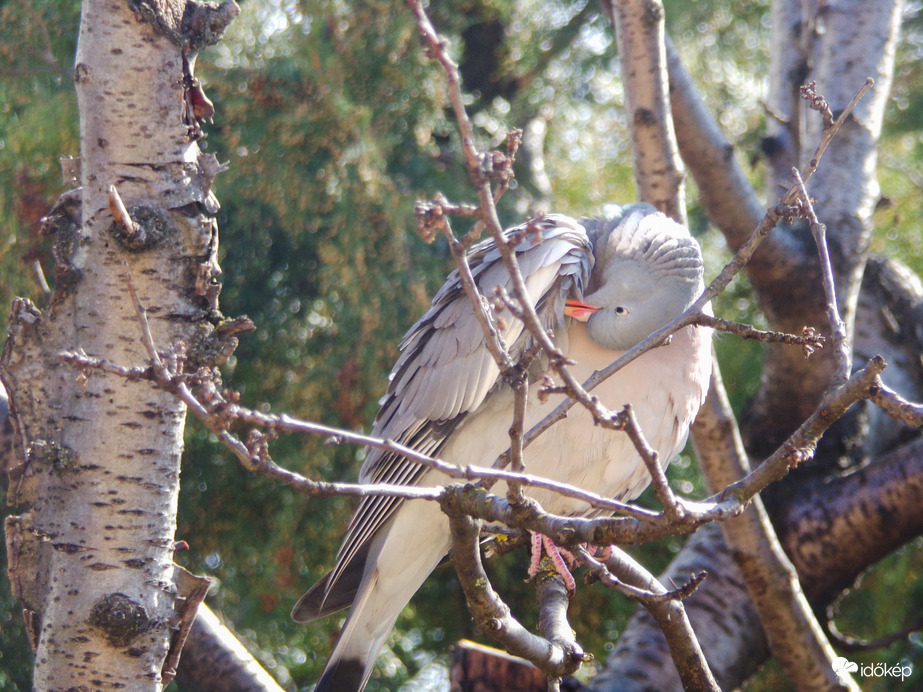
x: 846, y: 643
x: 830, y: 130
x: 493, y: 339
x: 129, y: 229
x: 218, y: 414
x: 801, y: 444
x: 481, y: 177
x: 841, y: 352
x: 41, y: 280
x: 520, y: 401
x: 659, y: 482
x: 897, y: 406
x: 192, y: 600
x: 810, y: 339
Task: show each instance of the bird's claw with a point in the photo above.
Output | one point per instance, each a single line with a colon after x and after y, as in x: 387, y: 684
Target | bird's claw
x: 559, y: 558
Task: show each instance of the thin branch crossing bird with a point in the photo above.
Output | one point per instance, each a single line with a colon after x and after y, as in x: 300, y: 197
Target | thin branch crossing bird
x: 600, y: 286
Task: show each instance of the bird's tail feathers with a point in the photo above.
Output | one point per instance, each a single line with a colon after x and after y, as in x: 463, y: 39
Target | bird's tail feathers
x: 363, y: 635
x: 332, y: 594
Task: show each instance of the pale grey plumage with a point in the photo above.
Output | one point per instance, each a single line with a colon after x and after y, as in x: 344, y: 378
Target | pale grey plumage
x: 445, y: 399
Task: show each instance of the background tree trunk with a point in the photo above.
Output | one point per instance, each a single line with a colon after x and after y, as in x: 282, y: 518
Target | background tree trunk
x: 813, y: 504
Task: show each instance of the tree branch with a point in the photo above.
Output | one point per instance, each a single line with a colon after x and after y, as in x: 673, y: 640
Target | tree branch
x: 492, y: 616
x: 841, y: 349
x: 639, y: 31
x: 796, y: 637
x: 623, y: 573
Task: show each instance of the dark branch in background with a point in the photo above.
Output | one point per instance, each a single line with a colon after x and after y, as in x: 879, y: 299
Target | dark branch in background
x: 849, y: 644
x: 214, y: 660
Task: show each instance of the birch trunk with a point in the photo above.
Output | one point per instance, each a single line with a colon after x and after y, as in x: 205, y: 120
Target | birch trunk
x: 91, y: 552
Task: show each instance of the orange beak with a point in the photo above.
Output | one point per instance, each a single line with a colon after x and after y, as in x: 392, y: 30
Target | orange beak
x: 578, y: 310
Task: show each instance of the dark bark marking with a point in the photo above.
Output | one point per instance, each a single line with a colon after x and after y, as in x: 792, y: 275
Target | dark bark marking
x: 120, y: 619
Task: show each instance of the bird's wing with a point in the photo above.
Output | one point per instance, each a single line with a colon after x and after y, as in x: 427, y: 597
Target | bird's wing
x: 445, y: 370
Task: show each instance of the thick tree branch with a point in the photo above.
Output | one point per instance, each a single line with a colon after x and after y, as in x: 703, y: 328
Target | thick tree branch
x: 832, y: 529
x: 214, y: 660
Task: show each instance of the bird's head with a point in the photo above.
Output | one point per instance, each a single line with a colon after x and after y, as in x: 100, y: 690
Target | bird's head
x: 648, y: 270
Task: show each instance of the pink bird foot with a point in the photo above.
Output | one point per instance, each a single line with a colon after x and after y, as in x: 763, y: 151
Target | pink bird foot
x: 556, y: 555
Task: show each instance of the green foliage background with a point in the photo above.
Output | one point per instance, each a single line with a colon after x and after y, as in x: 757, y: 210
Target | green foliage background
x: 334, y: 122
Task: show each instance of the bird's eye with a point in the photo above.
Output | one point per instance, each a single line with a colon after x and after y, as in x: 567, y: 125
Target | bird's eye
x: 621, y: 311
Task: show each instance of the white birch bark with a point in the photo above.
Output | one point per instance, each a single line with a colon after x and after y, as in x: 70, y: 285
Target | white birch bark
x: 91, y: 553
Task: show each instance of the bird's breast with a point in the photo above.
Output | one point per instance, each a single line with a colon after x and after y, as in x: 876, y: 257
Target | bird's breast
x: 664, y: 387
